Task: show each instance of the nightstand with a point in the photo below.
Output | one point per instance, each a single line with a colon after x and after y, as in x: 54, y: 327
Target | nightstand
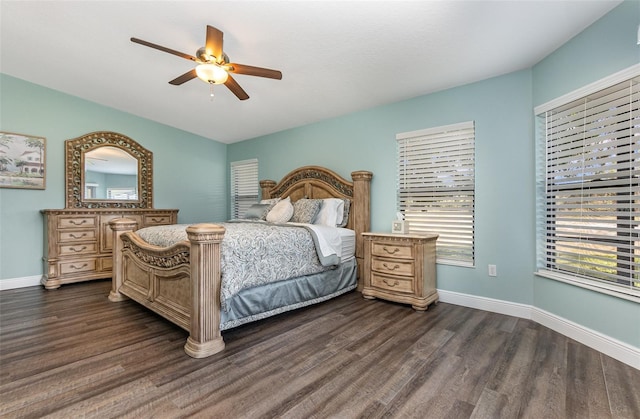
x: 400, y: 268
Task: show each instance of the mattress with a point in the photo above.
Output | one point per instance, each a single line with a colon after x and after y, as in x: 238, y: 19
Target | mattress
x: 348, y: 243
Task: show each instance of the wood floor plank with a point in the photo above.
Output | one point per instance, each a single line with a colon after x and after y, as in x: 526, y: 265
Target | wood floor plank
x: 586, y: 392
x: 72, y: 353
x: 547, y: 377
x: 623, y: 388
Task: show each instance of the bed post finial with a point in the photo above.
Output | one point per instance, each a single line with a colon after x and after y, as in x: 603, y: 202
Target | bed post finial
x: 204, y: 332
x: 266, y: 186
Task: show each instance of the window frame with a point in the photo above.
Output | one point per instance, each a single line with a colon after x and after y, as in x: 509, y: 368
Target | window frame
x: 545, y: 268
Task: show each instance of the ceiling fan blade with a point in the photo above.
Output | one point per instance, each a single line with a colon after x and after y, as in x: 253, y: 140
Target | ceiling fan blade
x: 255, y: 71
x: 191, y: 74
x: 236, y: 89
x: 165, y: 49
x: 214, y: 43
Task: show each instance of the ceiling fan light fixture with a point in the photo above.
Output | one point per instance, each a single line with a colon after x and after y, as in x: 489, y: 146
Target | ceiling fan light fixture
x: 212, y: 73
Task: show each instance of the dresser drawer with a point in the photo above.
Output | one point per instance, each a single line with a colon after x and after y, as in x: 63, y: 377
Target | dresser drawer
x: 159, y: 219
x: 77, y: 266
x: 397, y: 284
x: 65, y: 236
x: 77, y: 249
x: 78, y: 221
x: 395, y: 250
x: 393, y: 266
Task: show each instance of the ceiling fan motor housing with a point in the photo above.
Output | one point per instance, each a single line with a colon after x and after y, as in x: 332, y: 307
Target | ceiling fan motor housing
x: 202, y: 56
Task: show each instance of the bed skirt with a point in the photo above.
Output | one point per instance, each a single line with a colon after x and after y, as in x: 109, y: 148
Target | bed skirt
x: 267, y: 300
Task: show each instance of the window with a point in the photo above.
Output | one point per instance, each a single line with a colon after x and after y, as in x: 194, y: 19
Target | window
x: 589, y: 189
x: 244, y: 186
x: 436, y: 188
x: 121, y: 193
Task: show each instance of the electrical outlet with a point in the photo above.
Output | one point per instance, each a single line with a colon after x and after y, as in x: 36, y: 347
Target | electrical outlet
x: 492, y: 270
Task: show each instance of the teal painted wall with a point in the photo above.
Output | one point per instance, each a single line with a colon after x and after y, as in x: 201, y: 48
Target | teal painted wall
x: 606, y: 47
x: 502, y: 109
x: 190, y: 172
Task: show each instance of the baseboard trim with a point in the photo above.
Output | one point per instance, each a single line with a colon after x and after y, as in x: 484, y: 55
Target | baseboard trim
x: 27, y: 281
x: 614, y: 348
x: 487, y: 304
x: 621, y: 351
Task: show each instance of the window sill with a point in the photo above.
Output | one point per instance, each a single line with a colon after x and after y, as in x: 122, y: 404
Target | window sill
x: 455, y: 263
x: 630, y: 295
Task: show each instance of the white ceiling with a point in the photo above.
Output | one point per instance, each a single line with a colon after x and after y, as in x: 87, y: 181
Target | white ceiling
x: 336, y: 57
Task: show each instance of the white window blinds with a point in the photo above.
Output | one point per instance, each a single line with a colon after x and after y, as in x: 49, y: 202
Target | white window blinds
x: 436, y: 187
x: 244, y: 186
x: 590, y: 207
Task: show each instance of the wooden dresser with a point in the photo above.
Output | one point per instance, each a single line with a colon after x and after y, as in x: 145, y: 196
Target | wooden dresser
x: 400, y: 268
x: 78, y: 243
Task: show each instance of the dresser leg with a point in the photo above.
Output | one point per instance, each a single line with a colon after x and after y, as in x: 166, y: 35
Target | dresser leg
x: 50, y: 284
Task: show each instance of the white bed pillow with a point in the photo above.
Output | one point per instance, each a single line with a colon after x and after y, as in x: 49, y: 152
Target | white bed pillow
x: 331, y: 212
x: 281, y: 212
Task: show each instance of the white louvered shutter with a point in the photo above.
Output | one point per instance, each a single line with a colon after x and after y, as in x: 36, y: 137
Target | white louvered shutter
x: 591, y: 201
x: 244, y: 186
x: 436, y: 187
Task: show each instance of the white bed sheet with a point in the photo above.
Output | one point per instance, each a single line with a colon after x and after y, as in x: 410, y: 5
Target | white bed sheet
x: 334, y: 240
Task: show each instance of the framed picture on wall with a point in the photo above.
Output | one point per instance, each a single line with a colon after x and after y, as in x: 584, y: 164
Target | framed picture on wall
x: 22, y: 161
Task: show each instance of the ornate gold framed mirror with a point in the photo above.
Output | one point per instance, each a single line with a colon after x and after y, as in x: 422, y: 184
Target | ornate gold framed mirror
x: 108, y: 170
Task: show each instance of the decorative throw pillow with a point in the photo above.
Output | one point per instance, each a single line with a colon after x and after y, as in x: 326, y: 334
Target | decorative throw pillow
x: 305, y: 210
x: 257, y: 211
x: 331, y: 212
x: 345, y: 216
x: 281, y: 212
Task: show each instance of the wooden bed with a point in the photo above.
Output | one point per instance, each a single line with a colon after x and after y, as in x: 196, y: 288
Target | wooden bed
x: 182, y: 282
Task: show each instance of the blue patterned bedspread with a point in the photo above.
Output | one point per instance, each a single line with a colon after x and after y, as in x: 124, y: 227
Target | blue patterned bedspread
x: 252, y: 253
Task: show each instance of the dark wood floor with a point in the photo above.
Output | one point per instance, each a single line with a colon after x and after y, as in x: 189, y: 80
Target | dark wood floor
x: 71, y: 353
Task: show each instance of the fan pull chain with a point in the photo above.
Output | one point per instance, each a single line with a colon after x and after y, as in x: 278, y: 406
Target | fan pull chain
x: 211, y: 90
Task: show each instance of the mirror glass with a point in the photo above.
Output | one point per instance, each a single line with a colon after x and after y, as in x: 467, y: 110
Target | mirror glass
x: 110, y: 173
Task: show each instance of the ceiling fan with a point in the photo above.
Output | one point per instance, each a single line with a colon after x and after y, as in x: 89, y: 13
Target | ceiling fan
x: 213, y: 65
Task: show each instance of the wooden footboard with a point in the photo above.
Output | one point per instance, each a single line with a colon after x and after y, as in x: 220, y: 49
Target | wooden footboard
x: 181, y: 283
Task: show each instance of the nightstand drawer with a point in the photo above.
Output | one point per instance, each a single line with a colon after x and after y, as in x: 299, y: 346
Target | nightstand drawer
x: 393, y: 267
x: 395, y: 250
x: 392, y: 283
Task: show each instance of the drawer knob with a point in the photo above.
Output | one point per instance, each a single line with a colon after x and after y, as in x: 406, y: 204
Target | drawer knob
x: 156, y: 220
x: 73, y: 249
x: 75, y: 223
x: 84, y: 265
x: 386, y: 281
x: 391, y: 268
x: 78, y: 237
x: 391, y: 252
